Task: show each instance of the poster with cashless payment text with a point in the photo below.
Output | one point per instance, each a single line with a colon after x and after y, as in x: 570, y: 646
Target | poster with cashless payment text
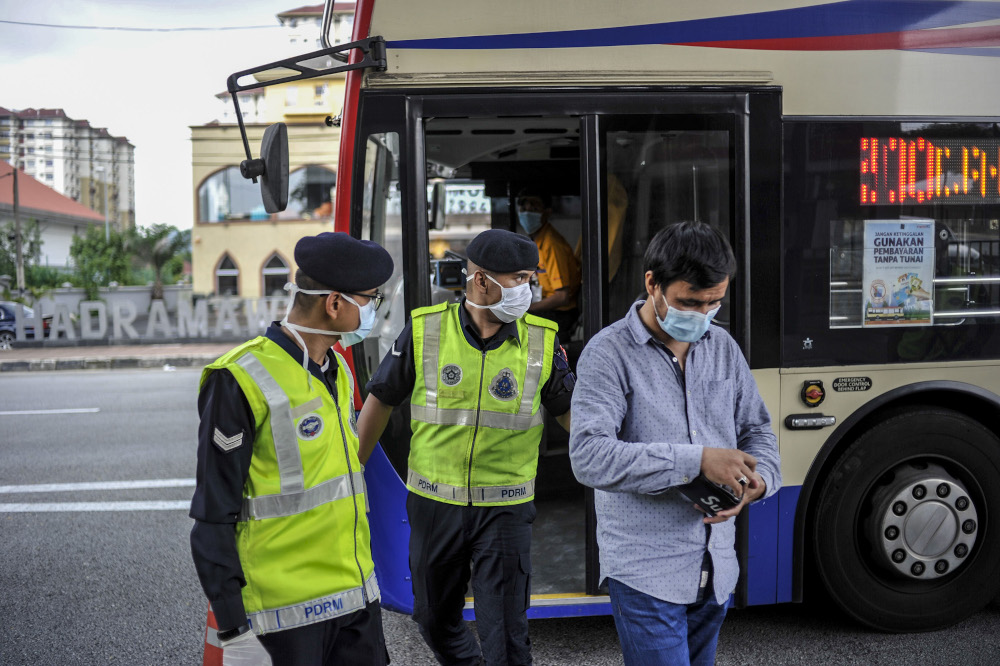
x: 898, y: 281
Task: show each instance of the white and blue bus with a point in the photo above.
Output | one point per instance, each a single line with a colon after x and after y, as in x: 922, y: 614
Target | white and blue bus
x: 849, y: 151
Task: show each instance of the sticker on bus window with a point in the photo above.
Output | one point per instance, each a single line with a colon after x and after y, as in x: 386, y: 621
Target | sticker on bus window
x: 898, y: 273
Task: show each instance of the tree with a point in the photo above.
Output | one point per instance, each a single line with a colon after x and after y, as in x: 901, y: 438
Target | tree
x: 31, y: 248
x: 162, y: 248
x: 97, y: 262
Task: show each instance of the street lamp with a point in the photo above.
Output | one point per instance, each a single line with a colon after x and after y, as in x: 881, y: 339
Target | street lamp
x: 107, y: 233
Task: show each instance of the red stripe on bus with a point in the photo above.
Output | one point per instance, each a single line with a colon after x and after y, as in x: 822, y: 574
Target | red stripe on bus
x: 910, y: 39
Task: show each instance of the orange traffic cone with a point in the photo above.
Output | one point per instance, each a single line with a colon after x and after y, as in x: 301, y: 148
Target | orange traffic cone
x: 213, y: 650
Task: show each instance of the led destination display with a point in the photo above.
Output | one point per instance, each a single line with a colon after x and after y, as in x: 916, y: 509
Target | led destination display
x: 916, y: 170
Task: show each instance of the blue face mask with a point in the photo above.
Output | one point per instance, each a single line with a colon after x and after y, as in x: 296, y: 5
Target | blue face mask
x: 685, y: 325
x: 530, y: 220
x: 367, y: 322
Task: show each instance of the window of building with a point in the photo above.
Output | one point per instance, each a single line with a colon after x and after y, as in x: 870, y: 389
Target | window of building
x: 276, y: 275
x: 320, y: 95
x: 226, y: 195
x: 227, y: 277
x: 291, y: 96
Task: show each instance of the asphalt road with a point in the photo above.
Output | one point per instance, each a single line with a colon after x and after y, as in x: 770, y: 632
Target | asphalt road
x: 92, y: 580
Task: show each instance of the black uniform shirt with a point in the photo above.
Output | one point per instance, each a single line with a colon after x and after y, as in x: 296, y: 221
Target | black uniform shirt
x: 395, y: 377
x: 218, y: 496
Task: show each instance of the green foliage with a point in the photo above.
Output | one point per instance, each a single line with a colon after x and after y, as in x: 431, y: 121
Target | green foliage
x: 160, y: 249
x: 31, y: 249
x: 97, y: 262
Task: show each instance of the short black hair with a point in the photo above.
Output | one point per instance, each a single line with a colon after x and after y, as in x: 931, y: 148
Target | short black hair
x: 530, y: 191
x: 308, y: 301
x: 692, y: 252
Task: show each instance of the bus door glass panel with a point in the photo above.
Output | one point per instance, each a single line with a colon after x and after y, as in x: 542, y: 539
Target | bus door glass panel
x: 382, y: 222
x: 659, y: 172
x: 476, y: 167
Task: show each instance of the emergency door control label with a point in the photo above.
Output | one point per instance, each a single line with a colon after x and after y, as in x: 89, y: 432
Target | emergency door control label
x: 852, y: 383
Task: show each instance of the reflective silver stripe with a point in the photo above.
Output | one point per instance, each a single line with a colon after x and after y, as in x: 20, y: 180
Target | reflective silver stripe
x: 480, y: 494
x: 276, y: 506
x: 286, y: 444
x: 431, y: 347
x: 307, y: 407
x: 212, y: 637
x: 533, y: 374
x: 315, y: 610
x: 467, y: 417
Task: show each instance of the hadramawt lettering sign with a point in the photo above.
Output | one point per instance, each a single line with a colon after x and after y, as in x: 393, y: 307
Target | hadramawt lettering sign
x: 96, y: 320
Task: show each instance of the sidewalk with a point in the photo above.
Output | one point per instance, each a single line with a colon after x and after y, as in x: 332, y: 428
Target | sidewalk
x: 109, y: 357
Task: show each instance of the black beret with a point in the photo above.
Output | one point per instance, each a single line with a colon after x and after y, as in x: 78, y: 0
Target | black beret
x: 342, y: 262
x: 503, y: 251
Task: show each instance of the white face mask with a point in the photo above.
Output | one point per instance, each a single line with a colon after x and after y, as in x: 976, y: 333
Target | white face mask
x: 347, y: 338
x: 513, y: 303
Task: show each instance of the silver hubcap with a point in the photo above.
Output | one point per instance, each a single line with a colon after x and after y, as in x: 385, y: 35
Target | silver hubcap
x: 927, y: 525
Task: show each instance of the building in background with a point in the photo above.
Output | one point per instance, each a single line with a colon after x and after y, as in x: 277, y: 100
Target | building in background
x: 236, y: 247
x: 84, y: 163
x: 59, y: 218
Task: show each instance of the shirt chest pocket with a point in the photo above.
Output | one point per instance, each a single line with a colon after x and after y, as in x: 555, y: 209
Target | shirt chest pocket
x: 718, y: 396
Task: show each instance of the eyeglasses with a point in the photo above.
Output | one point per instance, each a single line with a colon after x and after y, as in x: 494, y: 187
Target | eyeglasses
x: 378, y: 297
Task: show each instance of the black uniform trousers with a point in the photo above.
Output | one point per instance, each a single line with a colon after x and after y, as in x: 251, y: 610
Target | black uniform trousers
x: 355, y: 639
x: 495, y: 541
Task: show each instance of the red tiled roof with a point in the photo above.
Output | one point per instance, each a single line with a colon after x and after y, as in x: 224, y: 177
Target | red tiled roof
x: 42, y: 113
x: 317, y: 10
x: 33, y: 194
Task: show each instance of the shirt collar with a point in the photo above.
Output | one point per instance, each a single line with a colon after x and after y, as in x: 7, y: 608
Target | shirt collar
x: 507, y: 330
x: 642, y: 335
x: 277, y: 336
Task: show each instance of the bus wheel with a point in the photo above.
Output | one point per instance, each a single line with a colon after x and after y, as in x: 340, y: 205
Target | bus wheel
x: 904, y: 533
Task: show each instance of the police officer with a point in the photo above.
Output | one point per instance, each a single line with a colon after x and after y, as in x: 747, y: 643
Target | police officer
x: 279, y: 506
x: 476, y: 374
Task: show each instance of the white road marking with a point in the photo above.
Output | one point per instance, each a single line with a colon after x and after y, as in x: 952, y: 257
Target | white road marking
x: 98, y: 485
x: 31, y: 412
x: 78, y: 507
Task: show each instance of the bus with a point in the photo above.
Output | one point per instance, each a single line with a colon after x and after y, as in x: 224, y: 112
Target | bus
x: 850, y: 153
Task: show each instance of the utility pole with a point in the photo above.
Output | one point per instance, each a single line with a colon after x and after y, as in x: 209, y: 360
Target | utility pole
x: 17, y: 235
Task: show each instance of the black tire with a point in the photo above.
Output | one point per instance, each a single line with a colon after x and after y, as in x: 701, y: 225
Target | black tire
x: 850, y: 510
x: 6, y: 340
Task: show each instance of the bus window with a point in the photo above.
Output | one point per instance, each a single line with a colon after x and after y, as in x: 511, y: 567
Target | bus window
x: 657, y: 177
x: 896, y: 242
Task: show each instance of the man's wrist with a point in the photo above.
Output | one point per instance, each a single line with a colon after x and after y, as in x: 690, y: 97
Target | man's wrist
x: 230, y: 634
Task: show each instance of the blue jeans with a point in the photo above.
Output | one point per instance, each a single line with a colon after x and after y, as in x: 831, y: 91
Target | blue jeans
x: 658, y: 633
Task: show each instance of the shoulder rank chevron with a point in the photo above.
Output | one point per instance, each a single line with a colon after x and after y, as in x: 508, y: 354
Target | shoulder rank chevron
x: 227, y: 443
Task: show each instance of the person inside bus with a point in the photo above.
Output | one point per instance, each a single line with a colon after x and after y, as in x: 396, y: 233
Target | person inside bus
x: 558, y: 267
x: 286, y: 568
x: 477, y: 374
x: 663, y: 397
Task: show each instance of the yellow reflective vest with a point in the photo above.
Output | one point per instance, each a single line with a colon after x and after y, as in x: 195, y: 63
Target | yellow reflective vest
x: 302, y: 535
x: 476, y: 415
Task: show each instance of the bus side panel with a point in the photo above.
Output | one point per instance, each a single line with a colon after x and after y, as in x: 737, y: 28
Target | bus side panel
x: 789, y: 502
x: 390, y: 532
x: 762, y: 551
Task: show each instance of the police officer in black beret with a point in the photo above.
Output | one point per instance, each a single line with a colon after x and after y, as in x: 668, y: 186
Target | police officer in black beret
x: 476, y: 374
x: 281, y: 541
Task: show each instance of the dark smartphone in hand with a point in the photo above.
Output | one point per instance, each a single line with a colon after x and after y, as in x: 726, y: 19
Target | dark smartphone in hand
x: 711, y: 497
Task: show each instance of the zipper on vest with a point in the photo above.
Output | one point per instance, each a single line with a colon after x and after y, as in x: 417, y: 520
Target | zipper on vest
x: 354, y: 492
x: 479, y: 404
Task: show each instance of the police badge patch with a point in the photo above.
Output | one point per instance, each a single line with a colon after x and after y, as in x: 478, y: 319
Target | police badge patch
x: 451, y: 374
x: 354, y: 423
x: 310, y: 427
x: 504, y: 386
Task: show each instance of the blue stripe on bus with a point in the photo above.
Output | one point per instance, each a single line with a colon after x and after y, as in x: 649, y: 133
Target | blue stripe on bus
x: 770, y: 548
x: 853, y: 17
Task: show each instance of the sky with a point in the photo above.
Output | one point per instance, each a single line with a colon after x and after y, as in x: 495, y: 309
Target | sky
x: 147, y: 86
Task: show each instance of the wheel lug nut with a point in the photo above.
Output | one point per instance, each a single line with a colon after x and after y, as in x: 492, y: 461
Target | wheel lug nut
x: 941, y: 566
x: 962, y: 503
x: 961, y: 550
x: 919, y: 492
x: 917, y: 569
x: 891, y: 532
x: 898, y: 555
x: 969, y: 526
x: 943, y: 490
x: 899, y: 508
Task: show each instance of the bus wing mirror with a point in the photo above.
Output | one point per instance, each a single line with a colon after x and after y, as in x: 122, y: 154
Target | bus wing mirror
x: 272, y: 167
x: 439, y: 203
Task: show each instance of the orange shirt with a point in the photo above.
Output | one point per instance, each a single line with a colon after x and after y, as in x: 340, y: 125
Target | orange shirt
x: 561, y: 267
